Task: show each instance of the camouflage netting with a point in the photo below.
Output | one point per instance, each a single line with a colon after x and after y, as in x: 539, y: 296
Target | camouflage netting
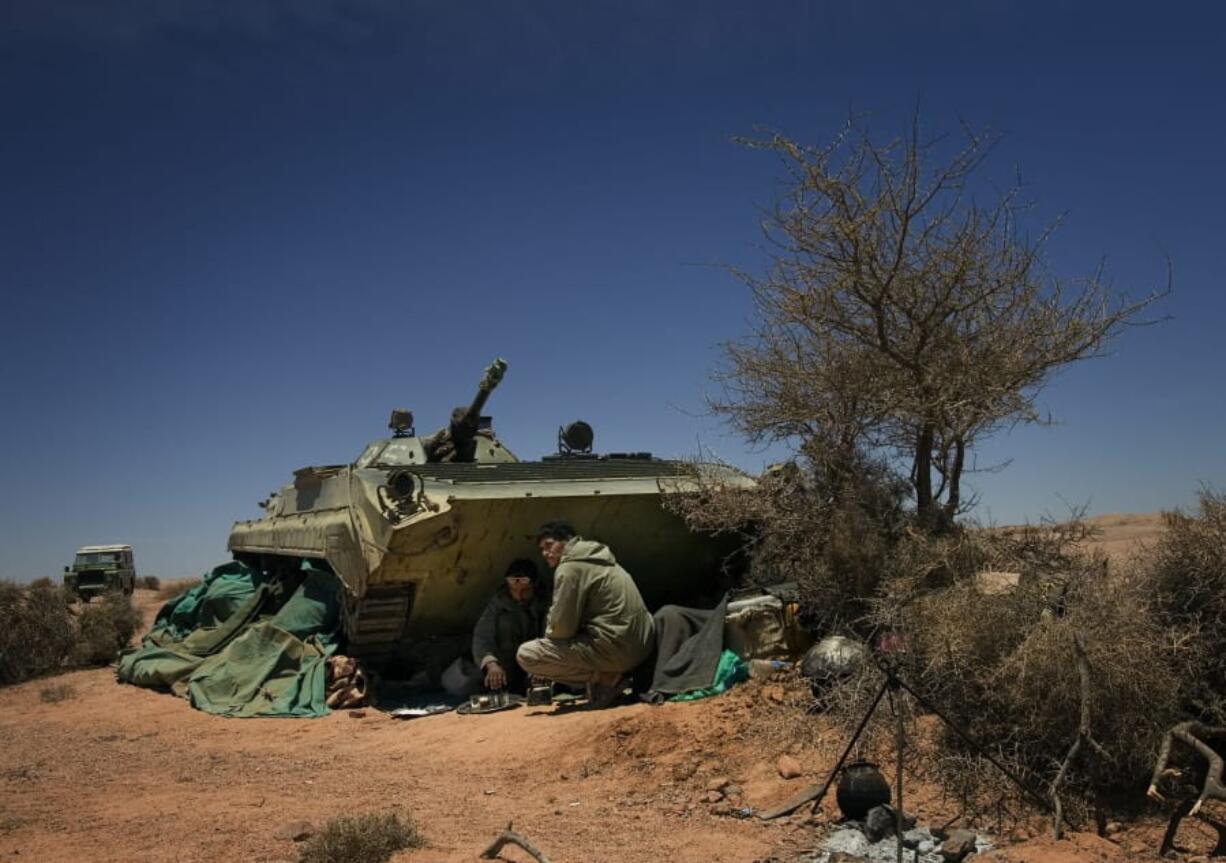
x: 232, y: 647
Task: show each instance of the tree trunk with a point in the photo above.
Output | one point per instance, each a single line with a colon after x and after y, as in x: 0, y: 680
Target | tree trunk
x: 921, y: 476
x: 954, y: 478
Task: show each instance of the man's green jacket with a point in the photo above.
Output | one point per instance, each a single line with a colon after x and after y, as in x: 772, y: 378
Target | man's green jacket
x: 598, y: 609
x: 504, y: 626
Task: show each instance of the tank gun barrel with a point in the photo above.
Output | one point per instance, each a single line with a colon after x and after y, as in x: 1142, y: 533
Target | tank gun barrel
x: 464, y: 426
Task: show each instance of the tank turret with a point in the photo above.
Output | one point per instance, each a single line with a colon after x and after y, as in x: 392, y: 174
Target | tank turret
x: 458, y: 441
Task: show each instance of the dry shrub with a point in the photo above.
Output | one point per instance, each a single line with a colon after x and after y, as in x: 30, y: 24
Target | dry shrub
x: 149, y: 582
x: 38, y: 631
x: 1188, y: 567
x: 171, y: 589
x: 105, y: 629
x: 41, y: 635
x: 56, y: 694
x: 829, y: 530
x: 1004, y: 667
x: 369, y: 838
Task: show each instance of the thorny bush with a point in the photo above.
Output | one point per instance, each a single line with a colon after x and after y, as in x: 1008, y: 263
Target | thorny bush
x: 1000, y: 665
x: 1189, y: 581
x: 105, y: 629
x: 41, y: 635
x: 39, y: 631
x: 1003, y: 666
x: 828, y: 530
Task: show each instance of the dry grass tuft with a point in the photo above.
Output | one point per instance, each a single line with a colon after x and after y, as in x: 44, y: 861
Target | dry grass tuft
x: 171, y: 589
x: 368, y: 838
x: 57, y: 693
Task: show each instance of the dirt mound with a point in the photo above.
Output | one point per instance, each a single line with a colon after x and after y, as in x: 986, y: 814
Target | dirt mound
x: 1074, y: 848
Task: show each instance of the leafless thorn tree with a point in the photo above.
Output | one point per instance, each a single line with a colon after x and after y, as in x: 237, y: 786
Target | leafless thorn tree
x: 900, y: 316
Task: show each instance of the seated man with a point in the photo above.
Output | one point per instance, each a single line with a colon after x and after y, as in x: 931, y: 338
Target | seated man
x: 515, y: 614
x: 598, y: 627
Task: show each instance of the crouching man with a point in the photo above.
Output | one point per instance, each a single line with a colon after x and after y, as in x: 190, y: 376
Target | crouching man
x: 515, y: 614
x: 598, y: 628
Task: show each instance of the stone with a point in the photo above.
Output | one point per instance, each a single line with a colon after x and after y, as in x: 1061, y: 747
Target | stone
x: 846, y: 841
x: 844, y: 857
x: 879, y: 823
x: 714, y: 796
x: 296, y: 831
x: 718, y: 783
x: 912, y: 838
x: 733, y: 789
x: 926, y: 846
x: 789, y: 767
x: 723, y: 808
x: 958, y: 845
x: 1114, y: 827
x: 996, y: 583
x: 684, y: 771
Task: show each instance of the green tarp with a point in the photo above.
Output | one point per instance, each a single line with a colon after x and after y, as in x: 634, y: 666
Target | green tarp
x: 208, y: 604
x: 730, y: 671
x: 226, y: 646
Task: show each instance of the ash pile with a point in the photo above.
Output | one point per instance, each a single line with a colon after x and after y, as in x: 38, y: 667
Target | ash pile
x: 872, y: 840
x: 869, y: 831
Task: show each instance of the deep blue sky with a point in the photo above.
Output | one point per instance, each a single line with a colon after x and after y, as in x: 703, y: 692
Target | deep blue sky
x: 234, y: 235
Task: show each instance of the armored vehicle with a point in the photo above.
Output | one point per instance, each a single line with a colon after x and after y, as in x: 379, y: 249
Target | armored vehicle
x: 419, y: 529
x: 100, y: 568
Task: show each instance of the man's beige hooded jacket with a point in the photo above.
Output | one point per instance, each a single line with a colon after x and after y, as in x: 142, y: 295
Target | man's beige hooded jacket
x: 597, y: 608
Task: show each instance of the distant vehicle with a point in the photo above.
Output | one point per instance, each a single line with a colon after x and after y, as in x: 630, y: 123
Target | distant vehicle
x: 98, y: 569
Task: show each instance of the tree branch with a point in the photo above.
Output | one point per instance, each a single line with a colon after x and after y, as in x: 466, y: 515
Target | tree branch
x: 510, y: 837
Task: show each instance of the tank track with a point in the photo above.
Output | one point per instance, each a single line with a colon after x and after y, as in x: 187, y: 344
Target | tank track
x: 377, y: 624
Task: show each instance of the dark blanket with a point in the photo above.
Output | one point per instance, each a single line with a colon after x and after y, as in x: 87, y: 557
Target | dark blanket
x: 688, y: 644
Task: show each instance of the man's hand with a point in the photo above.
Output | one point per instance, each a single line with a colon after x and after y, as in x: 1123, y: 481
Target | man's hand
x: 495, y: 676
x: 1154, y: 794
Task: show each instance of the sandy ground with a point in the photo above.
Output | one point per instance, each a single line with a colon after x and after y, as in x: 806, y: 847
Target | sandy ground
x: 1122, y: 535
x: 117, y: 773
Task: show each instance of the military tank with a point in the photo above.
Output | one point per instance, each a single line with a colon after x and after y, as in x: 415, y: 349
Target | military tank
x: 419, y: 529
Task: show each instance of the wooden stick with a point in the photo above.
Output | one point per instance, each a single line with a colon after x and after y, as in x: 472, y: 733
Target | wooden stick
x: 510, y: 837
x: 1083, y: 735
x: 900, y: 743
x: 817, y: 792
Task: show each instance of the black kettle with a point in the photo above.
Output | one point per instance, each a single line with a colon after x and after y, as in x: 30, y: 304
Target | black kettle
x: 861, y: 788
